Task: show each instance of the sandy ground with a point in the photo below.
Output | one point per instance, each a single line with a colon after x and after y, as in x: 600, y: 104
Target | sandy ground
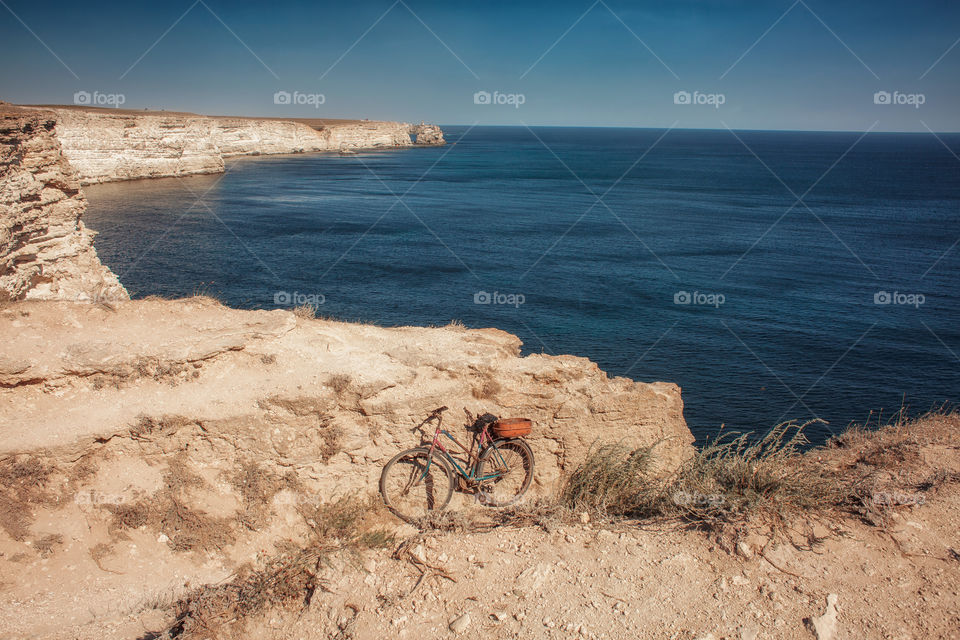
x: 626, y: 581
x: 829, y: 578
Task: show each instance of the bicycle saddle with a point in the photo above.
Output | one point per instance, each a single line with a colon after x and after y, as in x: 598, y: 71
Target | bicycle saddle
x: 482, y: 421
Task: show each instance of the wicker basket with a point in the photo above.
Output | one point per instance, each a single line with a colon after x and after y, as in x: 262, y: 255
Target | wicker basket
x: 512, y: 427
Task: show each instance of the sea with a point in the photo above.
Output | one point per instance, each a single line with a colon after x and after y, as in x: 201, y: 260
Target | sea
x: 774, y: 276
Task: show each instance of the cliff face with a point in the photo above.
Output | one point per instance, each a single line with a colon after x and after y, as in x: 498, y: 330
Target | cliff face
x: 46, y: 252
x: 104, y: 146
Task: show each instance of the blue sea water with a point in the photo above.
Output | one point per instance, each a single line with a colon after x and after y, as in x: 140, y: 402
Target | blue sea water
x: 772, y: 275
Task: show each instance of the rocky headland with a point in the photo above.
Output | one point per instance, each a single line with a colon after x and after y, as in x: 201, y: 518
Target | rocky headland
x: 105, y: 145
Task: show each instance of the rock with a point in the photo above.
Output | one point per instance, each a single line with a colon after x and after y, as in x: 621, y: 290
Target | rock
x: 585, y: 518
x: 460, y: 623
x: 744, y: 550
x: 427, y: 134
x: 499, y: 616
x: 46, y: 252
x: 739, y: 581
x: 748, y: 633
x: 824, y: 627
x: 532, y: 578
x: 419, y: 553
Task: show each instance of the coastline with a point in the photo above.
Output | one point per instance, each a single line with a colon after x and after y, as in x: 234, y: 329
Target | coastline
x: 105, y: 145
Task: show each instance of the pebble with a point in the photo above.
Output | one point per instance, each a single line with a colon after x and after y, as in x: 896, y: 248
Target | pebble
x: 825, y: 627
x: 460, y: 623
x: 748, y: 633
x: 419, y: 553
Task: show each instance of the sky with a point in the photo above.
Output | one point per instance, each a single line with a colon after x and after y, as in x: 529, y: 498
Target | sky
x: 791, y: 64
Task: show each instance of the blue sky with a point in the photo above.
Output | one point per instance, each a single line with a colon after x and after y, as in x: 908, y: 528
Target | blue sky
x: 809, y: 64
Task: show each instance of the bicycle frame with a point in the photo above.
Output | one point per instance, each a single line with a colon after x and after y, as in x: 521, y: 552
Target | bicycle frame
x: 473, y: 458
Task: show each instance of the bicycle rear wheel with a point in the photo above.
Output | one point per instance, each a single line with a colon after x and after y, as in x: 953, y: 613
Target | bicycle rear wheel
x: 510, y: 462
x: 413, y: 484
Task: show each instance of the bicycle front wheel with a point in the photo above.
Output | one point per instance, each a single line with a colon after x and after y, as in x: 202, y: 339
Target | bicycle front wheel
x: 506, y: 470
x: 413, y: 484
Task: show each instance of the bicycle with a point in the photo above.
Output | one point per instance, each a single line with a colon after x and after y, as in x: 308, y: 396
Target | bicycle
x: 420, y: 480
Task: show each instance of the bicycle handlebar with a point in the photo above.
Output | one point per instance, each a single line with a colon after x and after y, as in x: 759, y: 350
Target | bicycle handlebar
x: 436, y: 414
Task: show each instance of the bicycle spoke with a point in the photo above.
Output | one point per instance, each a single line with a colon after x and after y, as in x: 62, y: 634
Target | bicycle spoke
x: 413, y: 485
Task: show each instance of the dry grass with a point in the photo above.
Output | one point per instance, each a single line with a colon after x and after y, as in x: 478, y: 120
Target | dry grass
x: 733, y: 479
x: 150, y: 427
x: 339, y: 383
x: 306, y: 311
x: 46, y: 545
x: 332, y: 439
x: 739, y: 478
x: 289, y: 579
x: 23, y: 485
x: 488, y: 389
x: 257, y: 487
x: 883, y: 468
x: 145, y: 367
x: 612, y: 480
x: 186, y: 528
